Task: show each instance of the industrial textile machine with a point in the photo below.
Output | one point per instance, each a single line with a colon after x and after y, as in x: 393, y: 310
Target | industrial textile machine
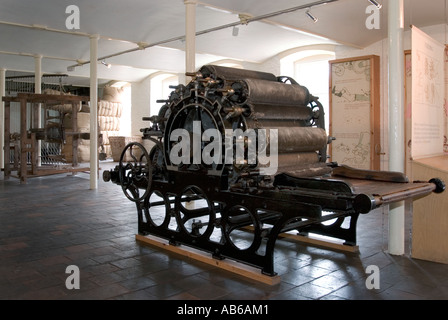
x: 239, y: 158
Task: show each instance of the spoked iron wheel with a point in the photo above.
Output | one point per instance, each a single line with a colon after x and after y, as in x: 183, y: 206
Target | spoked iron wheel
x: 136, y: 173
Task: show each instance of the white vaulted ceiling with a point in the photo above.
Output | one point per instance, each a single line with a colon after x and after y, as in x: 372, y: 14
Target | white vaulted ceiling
x: 29, y: 27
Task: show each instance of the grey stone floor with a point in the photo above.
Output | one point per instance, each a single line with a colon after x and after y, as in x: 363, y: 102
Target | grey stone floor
x: 57, y: 221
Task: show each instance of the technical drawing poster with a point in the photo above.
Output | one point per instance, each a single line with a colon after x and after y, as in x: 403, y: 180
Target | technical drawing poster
x: 350, y: 113
x: 427, y: 95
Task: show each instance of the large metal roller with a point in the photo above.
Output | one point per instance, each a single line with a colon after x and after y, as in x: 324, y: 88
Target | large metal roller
x: 260, y: 123
x: 225, y: 73
x: 275, y: 112
x: 296, y: 159
x: 261, y: 92
x: 301, y: 139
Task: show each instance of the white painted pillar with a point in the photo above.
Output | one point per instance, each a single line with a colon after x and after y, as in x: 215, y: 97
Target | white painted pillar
x: 94, y: 112
x: 190, y: 35
x: 2, y: 117
x: 38, y: 89
x: 190, y: 48
x: 396, y: 120
x: 38, y: 73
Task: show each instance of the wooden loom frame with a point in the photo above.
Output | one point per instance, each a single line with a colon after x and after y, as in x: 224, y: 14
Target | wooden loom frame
x: 29, y: 145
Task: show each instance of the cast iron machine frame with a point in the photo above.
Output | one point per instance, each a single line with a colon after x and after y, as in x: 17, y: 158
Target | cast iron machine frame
x: 235, y: 209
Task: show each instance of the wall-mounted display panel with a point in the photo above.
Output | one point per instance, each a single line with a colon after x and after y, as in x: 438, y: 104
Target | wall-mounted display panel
x: 355, y: 112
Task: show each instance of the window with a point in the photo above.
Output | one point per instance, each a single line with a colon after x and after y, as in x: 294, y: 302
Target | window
x: 160, y: 90
x: 310, y: 68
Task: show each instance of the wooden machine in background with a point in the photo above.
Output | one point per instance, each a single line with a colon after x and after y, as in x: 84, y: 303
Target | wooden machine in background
x: 25, y: 149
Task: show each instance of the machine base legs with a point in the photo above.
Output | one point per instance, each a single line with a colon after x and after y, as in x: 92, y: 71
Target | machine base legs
x: 225, y: 264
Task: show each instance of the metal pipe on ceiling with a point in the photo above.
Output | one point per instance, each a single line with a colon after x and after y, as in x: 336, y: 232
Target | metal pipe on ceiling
x: 26, y: 54
x: 72, y: 33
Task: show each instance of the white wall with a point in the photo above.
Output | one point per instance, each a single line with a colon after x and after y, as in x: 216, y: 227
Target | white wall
x: 140, y: 105
x: 125, y: 121
x: 142, y: 101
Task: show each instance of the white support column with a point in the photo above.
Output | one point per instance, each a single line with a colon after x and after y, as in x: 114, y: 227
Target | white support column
x: 190, y: 47
x: 94, y: 112
x: 190, y: 35
x: 396, y: 120
x: 38, y: 89
x: 38, y: 73
x: 2, y: 117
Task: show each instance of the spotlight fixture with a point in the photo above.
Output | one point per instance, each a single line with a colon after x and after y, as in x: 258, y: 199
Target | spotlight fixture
x: 376, y: 4
x: 108, y: 65
x: 308, y: 13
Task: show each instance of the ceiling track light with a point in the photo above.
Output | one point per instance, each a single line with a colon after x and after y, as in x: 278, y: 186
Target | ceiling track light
x: 376, y: 4
x: 309, y: 15
x: 108, y: 65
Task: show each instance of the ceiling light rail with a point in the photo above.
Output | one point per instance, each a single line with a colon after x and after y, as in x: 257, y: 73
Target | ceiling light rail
x: 73, y: 33
x: 26, y: 54
x: 245, y: 19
